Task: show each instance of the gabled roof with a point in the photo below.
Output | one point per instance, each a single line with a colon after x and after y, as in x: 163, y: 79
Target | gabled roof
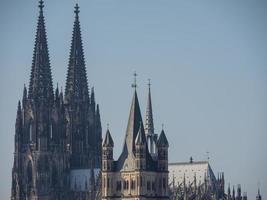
x: 41, y: 86
x: 200, y: 170
x: 76, y: 84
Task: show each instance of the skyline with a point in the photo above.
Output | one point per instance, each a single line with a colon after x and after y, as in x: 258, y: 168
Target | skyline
x: 193, y: 89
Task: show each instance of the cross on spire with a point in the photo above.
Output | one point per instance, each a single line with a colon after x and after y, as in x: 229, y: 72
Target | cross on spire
x: 134, y: 85
x: 41, y: 5
x: 76, y: 11
x: 149, y: 83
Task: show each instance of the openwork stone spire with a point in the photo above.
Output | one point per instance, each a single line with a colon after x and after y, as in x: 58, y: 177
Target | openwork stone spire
x: 76, y: 84
x: 41, y: 85
x: 149, y: 125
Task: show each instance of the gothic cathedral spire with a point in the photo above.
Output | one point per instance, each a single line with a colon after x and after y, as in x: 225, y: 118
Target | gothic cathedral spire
x: 76, y: 84
x: 41, y: 85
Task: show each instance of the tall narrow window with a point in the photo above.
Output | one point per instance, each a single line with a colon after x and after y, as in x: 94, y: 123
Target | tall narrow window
x: 51, y: 131
x: 30, y: 134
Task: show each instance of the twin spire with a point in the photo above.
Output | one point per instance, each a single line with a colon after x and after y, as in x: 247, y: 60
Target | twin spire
x: 76, y: 84
x: 41, y: 85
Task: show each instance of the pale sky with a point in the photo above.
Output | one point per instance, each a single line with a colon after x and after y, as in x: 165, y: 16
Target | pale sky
x: 207, y: 61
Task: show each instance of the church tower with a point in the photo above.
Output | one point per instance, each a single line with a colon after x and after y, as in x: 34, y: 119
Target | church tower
x: 82, y: 115
x: 39, y: 159
x: 136, y: 175
x: 83, y: 126
x: 57, y: 137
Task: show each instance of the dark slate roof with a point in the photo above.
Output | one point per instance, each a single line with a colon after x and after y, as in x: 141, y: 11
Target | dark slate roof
x: 108, y: 141
x: 162, y: 141
x: 41, y: 86
x: 76, y: 84
x: 126, y: 161
x: 140, y: 138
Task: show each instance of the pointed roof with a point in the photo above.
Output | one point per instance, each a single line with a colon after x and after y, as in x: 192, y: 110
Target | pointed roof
x: 41, y: 85
x: 92, y: 96
x: 134, y: 123
x: 24, y: 98
x: 108, y: 141
x: 76, y: 83
x: 149, y: 125
x: 19, y: 115
x: 97, y: 114
x: 162, y: 141
x: 140, y: 138
x: 126, y: 159
x: 259, y: 194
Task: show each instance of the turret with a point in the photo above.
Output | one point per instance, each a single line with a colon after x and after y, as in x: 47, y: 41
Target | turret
x: 223, y: 183
x: 57, y: 98
x: 258, y: 197
x: 162, y: 145
x: 229, y: 192
x: 92, y: 99
x: 239, y: 196
x: 233, y: 195
x: 107, y: 152
x: 24, y: 98
x: 98, y: 133
x: 140, y: 149
x: 245, y: 197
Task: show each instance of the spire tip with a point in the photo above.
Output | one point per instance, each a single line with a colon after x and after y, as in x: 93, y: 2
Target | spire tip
x: 134, y: 85
x: 76, y: 11
x: 41, y: 5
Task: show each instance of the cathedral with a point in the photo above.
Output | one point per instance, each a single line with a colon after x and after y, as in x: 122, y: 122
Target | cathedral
x: 59, y: 152
x: 57, y: 136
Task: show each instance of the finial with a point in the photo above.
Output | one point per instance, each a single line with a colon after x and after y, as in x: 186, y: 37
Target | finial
x: 134, y: 85
x: 41, y: 5
x: 107, y: 126
x: 162, y: 126
x: 208, y: 156
x: 76, y: 9
x: 149, y: 83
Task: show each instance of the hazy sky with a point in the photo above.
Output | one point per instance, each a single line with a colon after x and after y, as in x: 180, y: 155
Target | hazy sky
x: 207, y: 61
